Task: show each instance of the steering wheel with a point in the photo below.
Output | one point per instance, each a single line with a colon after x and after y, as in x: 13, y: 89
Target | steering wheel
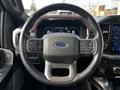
x: 61, y: 50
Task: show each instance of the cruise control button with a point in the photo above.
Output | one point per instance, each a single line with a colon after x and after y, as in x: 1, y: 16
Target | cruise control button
x: 82, y: 49
x: 90, y: 49
x: 82, y: 44
x: 90, y: 43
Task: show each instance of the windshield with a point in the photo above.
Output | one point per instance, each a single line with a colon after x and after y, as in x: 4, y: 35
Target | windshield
x: 94, y: 7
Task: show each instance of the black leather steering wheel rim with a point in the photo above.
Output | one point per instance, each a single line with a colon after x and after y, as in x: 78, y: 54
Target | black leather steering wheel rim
x: 90, y: 22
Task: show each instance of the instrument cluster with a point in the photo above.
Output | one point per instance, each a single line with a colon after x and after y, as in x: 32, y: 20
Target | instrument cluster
x: 61, y: 26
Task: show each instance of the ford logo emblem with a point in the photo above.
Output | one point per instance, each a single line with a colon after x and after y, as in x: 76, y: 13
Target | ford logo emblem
x: 60, y: 44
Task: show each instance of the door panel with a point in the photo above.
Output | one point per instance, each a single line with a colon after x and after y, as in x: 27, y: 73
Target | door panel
x: 6, y: 62
x: 12, y: 16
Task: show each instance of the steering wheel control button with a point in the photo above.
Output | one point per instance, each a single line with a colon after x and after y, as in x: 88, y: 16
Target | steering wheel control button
x: 116, y: 70
x: 35, y: 45
x: 89, y: 43
x: 34, y: 60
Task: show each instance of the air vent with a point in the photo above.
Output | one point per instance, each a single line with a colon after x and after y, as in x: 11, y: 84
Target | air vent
x: 106, y: 32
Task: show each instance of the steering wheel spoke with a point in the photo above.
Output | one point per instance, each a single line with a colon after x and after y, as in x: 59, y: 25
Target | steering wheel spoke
x: 88, y: 46
x: 35, y: 45
x: 55, y: 72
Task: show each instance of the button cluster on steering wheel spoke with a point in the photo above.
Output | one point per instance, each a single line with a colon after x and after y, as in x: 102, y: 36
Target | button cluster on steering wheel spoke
x: 87, y: 46
x: 35, y: 45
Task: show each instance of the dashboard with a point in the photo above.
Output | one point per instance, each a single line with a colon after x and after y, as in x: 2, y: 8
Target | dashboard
x: 111, y: 34
x: 110, y: 27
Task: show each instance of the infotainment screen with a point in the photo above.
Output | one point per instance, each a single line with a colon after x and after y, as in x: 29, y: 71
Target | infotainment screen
x: 116, y: 38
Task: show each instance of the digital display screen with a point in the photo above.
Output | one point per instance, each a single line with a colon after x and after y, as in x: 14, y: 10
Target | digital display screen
x: 61, y: 26
x: 116, y: 38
